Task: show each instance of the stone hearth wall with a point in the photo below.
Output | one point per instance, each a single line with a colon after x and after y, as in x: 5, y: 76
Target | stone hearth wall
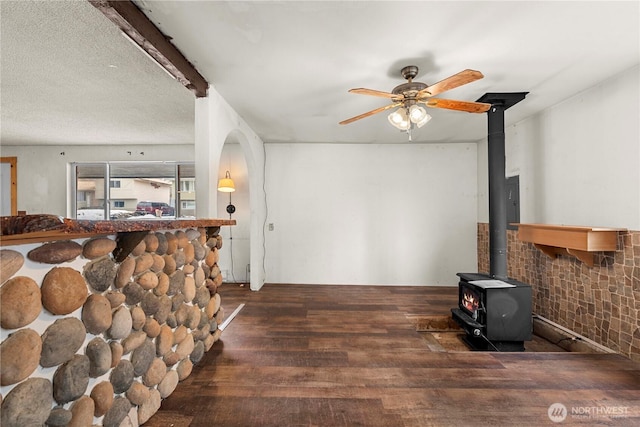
x: 601, y: 302
x: 90, y: 341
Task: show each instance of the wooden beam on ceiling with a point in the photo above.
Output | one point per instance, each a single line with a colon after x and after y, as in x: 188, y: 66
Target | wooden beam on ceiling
x: 148, y: 37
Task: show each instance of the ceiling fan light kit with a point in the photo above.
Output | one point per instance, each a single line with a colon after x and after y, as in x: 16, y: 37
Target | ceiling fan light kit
x: 408, y: 95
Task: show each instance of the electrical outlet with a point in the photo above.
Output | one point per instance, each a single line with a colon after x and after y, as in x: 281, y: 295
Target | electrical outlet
x: 270, y: 226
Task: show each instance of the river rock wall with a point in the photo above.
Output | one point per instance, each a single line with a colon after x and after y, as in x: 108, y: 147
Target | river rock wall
x: 87, y: 340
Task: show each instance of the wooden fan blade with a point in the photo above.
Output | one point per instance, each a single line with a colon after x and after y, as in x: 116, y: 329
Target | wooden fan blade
x: 462, y: 78
x: 370, y: 113
x: 372, y: 92
x: 449, y: 104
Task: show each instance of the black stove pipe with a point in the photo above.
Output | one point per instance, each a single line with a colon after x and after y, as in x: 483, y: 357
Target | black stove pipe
x: 497, y: 179
x: 497, y: 199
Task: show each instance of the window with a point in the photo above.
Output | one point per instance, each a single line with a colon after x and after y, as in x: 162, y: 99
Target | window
x: 132, y: 185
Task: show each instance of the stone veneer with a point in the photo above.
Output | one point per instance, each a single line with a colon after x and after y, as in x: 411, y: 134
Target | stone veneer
x: 178, y: 267
x: 601, y: 302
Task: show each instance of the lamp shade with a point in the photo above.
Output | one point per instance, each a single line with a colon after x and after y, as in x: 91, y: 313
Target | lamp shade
x: 226, y: 184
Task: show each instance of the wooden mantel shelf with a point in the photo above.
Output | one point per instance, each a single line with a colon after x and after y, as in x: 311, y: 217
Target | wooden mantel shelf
x: 578, y: 241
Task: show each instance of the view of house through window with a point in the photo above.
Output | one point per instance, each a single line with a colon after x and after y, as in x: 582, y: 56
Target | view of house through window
x: 135, y: 190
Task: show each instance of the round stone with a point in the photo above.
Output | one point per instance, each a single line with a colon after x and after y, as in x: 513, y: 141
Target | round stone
x: 122, y: 376
x: 179, y: 334
x: 180, y: 258
x: 71, y: 379
x: 193, y: 319
x: 20, y: 302
x: 151, y: 328
x: 98, y: 247
x: 116, y: 352
x: 102, y: 395
x: 208, y: 342
x: 133, y: 293
x: 213, y: 306
x: 151, y: 242
x: 189, y: 253
x: 158, y: 263
x: 56, y: 252
x: 172, y: 242
x: 210, y: 259
x: 202, y: 297
x: 164, y: 341
x: 137, y: 393
x: 143, y: 263
x: 185, y: 347
x: 168, y: 384
x: 82, y: 412
x: 182, y: 314
x: 171, y: 358
x: 20, y: 355
x: 59, y: 417
x: 148, y: 280
x: 150, y: 303
x: 61, y: 340
x: 133, y: 341
x: 101, y: 274
x: 139, y: 249
x: 219, y: 241
x: 156, y: 372
x: 164, y: 309
x: 63, y: 290
x: 176, y: 301
x: 199, y: 251
x: 163, y: 284
x: 183, y: 239
x: 184, y: 369
x: 142, y: 357
x: 121, y: 324
x: 138, y: 318
x: 189, y: 289
x: 117, y: 413
x: 192, y: 234
x: 96, y: 314
x: 115, y: 298
x: 198, y: 276
x: 10, y: 263
x: 171, y: 320
x: 162, y: 244
x: 189, y: 268
x: 170, y: 266
x: 125, y: 272
x: 197, y: 353
x: 149, y: 407
x: 201, y: 333
x: 99, y: 354
x: 27, y: 404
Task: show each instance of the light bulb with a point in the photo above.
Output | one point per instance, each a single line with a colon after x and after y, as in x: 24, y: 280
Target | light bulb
x: 417, y: 113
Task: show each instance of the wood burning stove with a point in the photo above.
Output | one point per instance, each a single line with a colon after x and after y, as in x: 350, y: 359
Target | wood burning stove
x: 495, y: 314
x: 495, y: 311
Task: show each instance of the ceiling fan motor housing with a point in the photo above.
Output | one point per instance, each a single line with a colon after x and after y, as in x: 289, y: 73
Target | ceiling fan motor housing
x: 411, y: 88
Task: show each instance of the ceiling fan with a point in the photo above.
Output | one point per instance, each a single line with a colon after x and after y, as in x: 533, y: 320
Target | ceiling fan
x: 408, y: 96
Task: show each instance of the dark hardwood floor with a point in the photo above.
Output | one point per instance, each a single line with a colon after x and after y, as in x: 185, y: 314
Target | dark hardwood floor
x: 300, y: 355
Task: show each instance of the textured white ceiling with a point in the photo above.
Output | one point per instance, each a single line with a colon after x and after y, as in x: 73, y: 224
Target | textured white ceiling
x: 70, y: 77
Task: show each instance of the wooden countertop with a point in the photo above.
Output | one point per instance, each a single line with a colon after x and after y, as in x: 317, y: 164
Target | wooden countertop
x: 17, y: 230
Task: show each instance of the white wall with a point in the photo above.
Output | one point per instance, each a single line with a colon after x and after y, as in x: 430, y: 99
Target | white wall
x: 371, y: 214
x: 235, y: 251
x: 578, y: 161
x: 43, y: 171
